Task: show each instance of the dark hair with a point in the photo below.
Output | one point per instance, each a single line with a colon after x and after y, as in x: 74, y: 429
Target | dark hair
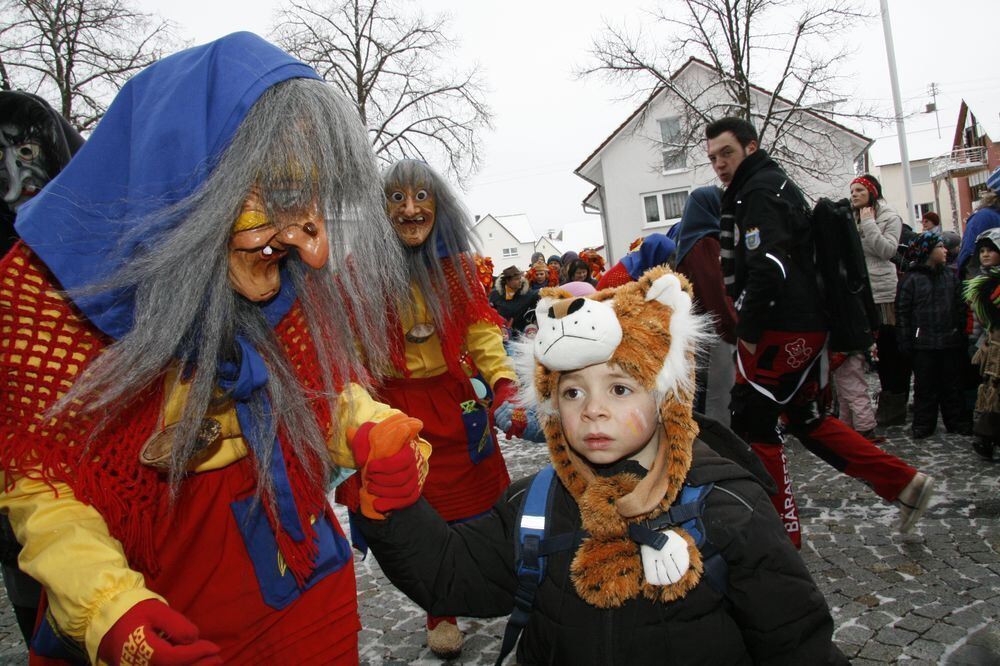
x: 932, y: 217
x: 741, y: 129
x: 874, y: 181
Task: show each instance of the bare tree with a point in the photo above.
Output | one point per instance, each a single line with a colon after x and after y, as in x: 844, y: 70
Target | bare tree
x: 76, y: 53
x: 392, y: 65
x: 774, y: 62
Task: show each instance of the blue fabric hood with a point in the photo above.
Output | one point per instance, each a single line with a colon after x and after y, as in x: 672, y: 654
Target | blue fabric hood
x: 158, y: 141
x: 701, y: 217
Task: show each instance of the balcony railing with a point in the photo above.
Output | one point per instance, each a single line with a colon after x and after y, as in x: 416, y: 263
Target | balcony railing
x: 959, y: 162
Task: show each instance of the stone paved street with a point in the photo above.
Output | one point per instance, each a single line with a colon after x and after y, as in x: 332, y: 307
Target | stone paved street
x: 932, y: 596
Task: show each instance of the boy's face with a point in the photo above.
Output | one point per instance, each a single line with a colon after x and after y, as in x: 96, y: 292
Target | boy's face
x: 938, y: 256
x: 988, y: 256
x: 607, y: 416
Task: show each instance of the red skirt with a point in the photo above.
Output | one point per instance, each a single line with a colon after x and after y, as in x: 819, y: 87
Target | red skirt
x: 207, y: 574
x: 467, y: 472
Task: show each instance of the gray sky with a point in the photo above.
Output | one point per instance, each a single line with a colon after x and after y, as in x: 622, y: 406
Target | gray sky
x: 547, y: 121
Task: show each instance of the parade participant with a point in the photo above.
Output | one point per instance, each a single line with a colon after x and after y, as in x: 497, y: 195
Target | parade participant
x: 770, y: 273
x: 654, y: 549
x: 879, y: 227
x: 555, y: 262
x: 35, y: 144
x: 595, y: 261
x: 514, y: 300
x: 166, y: 472
x: 450, y: 367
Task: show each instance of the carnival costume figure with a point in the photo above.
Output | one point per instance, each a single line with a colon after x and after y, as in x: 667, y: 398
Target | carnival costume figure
x: 450, y: 367
x: 184, y: 368
x: 36, y: 143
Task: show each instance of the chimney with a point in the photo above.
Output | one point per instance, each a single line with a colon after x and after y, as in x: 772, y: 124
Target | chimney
x: 477, y: 218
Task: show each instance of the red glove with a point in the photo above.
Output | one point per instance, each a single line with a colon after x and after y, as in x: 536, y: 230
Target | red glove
x: 392, y: 463
x: 505, y: 390
x: 153, y: 633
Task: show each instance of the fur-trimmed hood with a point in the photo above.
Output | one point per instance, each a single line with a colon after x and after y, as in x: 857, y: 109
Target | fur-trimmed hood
x: 500, y: 282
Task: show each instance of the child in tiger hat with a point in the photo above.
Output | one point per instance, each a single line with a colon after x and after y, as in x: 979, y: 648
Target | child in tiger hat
x: 612, y: 376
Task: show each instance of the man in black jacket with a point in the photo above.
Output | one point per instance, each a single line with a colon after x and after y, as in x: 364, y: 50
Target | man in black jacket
x: 770, y: 272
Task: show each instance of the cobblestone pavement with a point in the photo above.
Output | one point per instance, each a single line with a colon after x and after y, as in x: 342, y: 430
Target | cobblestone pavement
x: 932, y: 596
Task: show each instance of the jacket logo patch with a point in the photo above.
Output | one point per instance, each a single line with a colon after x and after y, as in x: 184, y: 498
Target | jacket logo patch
x: 752, y: 238
x: 797, y: 352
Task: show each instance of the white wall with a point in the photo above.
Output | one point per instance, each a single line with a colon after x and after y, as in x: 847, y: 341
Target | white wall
x: 890, y: 176
x: 493, y: 238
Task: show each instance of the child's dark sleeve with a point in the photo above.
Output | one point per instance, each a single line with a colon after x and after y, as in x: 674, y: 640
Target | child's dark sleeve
x: 775, y: 602
x: 904, y: 315
x: 465, y: 569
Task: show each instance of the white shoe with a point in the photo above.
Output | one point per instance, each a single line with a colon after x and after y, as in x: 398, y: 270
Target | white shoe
x: 913, y: 501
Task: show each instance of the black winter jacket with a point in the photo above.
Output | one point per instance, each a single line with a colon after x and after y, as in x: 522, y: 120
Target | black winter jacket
x: 930, y: 312
x: 772, y: 614
x: 520, y: 310
x: 775, y: 274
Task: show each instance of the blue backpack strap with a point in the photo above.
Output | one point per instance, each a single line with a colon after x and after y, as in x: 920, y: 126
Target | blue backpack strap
x: 532, y: 522
x: 686, y: 513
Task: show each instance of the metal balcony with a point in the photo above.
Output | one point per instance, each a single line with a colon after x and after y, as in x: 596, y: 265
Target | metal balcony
x: 959, y: 162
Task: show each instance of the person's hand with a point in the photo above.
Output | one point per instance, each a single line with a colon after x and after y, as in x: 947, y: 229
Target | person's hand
x: 393, y: 464
x: 867, y: 213
x: 153, y: 633
x: 749, y: 346
x: 514, y: 419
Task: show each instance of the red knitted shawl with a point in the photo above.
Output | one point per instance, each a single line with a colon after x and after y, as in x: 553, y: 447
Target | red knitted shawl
x: 468, y: 305
x: 45, y: 342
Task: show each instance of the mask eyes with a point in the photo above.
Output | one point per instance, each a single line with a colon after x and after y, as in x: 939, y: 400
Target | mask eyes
x: 422, y: 195
x: 28, y: 152
x: 290, y: 197
x: 397, y: 197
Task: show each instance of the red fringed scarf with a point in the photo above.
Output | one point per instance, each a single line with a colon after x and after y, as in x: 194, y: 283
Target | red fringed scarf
x: 45, y: 343
x: 469, y: 305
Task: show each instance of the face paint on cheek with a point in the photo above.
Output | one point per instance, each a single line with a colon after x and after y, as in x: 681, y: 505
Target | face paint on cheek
x: 637, y: 422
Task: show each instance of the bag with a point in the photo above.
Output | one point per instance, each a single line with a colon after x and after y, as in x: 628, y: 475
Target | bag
x: 843, y: 277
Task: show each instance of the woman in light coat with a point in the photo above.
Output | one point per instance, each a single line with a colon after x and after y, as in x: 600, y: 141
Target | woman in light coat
x: 879, y: 227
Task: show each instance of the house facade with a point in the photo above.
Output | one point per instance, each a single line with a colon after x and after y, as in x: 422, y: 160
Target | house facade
x: 507, y: 239
x: 640, y: 187
x: 975, y: 153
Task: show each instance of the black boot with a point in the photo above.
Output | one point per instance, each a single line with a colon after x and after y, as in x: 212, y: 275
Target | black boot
x: 891, y: 409
x: 984, y: 447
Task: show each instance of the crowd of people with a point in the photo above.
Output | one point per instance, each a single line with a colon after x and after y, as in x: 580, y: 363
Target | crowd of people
x: 202, y: 338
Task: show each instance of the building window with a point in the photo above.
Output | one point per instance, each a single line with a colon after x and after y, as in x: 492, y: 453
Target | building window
x: 509, y: 252
x: 664, y: 207
x: 670, y: 131
x: 920, y: 209
x: 920, y: 173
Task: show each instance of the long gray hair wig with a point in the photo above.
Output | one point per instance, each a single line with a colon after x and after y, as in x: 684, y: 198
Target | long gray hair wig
x: 186, y: 310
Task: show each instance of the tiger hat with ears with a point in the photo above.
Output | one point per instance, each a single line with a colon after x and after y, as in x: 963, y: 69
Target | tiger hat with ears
x: 648, y: 329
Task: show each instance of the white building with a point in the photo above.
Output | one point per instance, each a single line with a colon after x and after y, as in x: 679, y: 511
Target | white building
x: 507, y: 239
x: 640, y: 188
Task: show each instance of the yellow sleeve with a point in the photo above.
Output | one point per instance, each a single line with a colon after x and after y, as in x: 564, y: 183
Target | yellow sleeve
x: 356, y: 407
x: 485, y: 342
x: 68, y: 549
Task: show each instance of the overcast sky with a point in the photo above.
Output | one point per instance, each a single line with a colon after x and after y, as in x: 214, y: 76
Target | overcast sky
x: 546, y: 121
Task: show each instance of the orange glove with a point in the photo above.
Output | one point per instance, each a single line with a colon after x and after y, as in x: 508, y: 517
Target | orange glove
x: 154, y: 634
x: 393, y: 464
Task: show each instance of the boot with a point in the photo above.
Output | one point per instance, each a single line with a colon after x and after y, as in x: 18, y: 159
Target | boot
x: 913, y: 501
x: 891, y: 409
x: 444, y: 638
x: 984, y: 446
